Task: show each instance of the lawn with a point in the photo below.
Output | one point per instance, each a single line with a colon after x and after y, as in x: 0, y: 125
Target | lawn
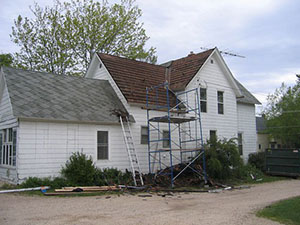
x: 286, y: 211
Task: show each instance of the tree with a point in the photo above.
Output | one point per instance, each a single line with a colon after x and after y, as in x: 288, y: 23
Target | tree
x: 62, y: 39
x: 6, y: 60
x: 283, y: 114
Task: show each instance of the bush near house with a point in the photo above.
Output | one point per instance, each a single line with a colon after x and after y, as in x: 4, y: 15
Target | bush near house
x: 80, y: 170
x: 223, y: 162
x: 222, y: 159
x: 258, y: 159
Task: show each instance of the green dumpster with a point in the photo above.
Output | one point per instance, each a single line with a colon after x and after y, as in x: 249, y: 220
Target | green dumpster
x: 284, y: 162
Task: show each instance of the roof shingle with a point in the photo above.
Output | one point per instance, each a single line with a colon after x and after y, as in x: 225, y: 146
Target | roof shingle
x: 58, y: 97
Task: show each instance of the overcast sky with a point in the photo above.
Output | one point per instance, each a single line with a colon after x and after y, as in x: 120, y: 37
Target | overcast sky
x: 266, y: 32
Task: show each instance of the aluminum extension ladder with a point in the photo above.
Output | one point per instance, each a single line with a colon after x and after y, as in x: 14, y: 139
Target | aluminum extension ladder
x: 134, y: 162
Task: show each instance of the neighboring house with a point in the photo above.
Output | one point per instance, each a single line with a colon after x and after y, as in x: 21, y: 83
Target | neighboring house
x: 264, y: 139
x: 44, y: 118
x: 262, y: 135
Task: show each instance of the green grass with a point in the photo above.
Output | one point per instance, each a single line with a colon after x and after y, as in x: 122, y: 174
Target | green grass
x: 286, y: 211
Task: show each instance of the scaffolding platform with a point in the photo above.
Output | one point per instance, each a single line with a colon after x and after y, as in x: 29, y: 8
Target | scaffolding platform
x: 172, y: 119
x: 175, y: 135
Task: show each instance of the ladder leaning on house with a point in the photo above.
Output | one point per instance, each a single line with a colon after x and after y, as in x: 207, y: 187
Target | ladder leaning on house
x: 134, y: 163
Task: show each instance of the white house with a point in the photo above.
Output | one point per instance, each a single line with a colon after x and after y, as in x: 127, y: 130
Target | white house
x: 44, y: 117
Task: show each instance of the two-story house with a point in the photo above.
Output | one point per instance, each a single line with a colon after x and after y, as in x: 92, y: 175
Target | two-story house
x: 44, y: 117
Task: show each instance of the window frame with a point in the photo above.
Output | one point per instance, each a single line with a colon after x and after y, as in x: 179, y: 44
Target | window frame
x: 211, y: 136
x: 143, y: 141
x: 166, y: 143
x: 102, y: 144
x: 203, y: 101
x: 8, y: 147
x: 220, y: 104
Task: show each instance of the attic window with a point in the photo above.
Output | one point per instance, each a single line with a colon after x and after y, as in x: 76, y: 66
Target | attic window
x: 100, y: 65
x: 212, y: 61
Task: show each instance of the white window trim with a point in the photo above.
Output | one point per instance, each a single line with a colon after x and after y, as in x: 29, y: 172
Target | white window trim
x: 223, y: 103
x: 142, y: 135
x: 202, y: 100
x: 9, y: 143
x: 108, y: 142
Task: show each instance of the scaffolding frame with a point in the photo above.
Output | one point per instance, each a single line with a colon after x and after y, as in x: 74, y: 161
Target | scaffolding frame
x: 178, y: 118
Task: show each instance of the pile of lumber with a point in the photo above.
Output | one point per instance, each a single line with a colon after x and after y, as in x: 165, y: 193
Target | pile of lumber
x: 82, y: 190
x: 88, y: 189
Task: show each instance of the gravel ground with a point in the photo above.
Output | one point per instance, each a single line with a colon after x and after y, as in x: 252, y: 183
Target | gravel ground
x: 227, y: 207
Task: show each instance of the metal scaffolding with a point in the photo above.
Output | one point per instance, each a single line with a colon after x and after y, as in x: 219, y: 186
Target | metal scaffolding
x: 174, y: 130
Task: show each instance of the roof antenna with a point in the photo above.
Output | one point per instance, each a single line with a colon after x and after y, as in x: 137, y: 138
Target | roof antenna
x: 225, y: 53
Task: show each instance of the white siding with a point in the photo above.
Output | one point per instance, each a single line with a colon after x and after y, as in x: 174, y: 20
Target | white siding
x: 213, y: 79
x: 101, y: 73
x: 8, y: 174
x: 6, y: 114
x: 247, y: 126
x: 7, y: 120
x: 45, y: 147
x: 140, y: 116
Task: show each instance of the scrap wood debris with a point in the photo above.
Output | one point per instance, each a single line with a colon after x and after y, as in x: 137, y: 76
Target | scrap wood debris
x: 88, y: 189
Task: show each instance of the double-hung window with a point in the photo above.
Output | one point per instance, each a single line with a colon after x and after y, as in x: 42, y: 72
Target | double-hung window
x: 203, y: 100
x: 144, y: 135
x: 8, y: 147
x: 166, y: 137
x: 220, y: 102
x: 102, y: 145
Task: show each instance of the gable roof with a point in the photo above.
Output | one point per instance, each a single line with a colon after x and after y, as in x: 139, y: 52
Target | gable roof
x: 133, y: 77
x: 261, y: 125
x: 247, y: 97
x: 36, y: 95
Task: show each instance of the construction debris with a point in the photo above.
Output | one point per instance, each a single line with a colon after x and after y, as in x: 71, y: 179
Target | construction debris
x: 25, y: 189
x: 88, y: 189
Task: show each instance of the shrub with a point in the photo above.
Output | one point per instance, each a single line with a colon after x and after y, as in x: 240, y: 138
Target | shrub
x: 56, y: 182
x: 112, y: 176
x: 222, y: 159
x: 248, y: 173
x: 258, y: 159
x: 79, y: 170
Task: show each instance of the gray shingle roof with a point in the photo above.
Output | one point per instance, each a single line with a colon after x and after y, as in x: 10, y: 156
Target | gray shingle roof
x: 261, y: 124
x: 247, y: 96
x: 56, y: 97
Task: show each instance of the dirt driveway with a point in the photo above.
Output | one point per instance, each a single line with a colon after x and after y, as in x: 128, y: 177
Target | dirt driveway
x: 228, y: 207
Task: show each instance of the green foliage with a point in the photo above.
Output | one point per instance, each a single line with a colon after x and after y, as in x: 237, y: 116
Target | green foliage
x: 63, y: 38
x: 56, y: 182
x: 286, y: 211
x: 79, y: 170
x: 6, y: 60
x: 258, y: 159
x: 248, y: 173
x: 112, y: 176
x: 222, y: 159
x: 282, y: 113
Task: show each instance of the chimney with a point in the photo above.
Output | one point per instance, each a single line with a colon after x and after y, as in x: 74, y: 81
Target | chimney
x: 191, y: 53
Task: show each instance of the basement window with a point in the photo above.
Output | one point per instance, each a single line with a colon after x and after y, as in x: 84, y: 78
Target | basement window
x: 8, y: 147
x: 220, y: 102
x: 102, y: 145
x: 203, y: 100
x: 240, y: 143
x: 144, y: 135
